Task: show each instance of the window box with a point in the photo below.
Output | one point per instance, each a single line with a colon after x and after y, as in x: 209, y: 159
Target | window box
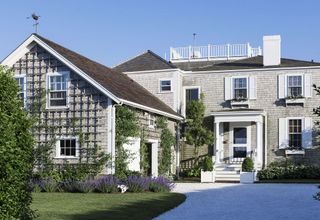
x: 208, y: 176
x: 295, y: 152
x: 240, y: 102
x: 295, y: 100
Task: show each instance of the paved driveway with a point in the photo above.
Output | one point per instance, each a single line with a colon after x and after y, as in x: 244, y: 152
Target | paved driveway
x: 252, y: 201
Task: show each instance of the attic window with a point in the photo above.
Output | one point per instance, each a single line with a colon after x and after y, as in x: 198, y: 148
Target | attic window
x: 165, y: 85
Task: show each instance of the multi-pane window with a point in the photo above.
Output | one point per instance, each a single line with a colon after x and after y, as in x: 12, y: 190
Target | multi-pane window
x: 192, y: 94
x: 22, y: 91
x: 294, y: 86
x: 68, y: 147
x: 295, y: 133
x: 58, y: 90
x: 240, y: 88
x: 165, y: 85
x: 240, y: 135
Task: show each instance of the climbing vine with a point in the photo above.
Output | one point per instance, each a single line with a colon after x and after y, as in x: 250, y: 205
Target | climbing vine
x: 126, y: 126
x: 167, y: 140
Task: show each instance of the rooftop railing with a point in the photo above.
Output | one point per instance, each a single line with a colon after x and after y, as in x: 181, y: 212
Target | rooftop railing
x: 213, y: 52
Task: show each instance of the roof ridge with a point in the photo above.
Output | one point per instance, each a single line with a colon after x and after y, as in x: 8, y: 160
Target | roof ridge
x: 162, y: 59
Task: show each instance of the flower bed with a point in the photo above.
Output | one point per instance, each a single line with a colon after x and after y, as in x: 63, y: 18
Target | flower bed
x: 105, y: 184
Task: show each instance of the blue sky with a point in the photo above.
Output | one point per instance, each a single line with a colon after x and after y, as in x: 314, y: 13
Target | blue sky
x: 112, y: 31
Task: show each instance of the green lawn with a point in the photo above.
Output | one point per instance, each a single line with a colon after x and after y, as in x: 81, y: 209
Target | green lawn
x: 97, y: 206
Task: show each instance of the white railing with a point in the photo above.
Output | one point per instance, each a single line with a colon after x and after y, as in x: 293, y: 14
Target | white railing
x: 211, y: 52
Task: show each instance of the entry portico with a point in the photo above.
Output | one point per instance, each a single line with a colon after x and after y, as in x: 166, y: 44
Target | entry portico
x: 240, y: 133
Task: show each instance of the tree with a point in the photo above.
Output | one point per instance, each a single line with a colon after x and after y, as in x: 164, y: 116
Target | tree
x: 196, y: 133
x: 16, y: 151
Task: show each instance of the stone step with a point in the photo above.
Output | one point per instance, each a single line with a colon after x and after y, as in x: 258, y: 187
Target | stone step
x: 227, y: 176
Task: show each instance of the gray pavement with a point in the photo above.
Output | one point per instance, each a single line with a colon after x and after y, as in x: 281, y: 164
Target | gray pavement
x: 247, y: 202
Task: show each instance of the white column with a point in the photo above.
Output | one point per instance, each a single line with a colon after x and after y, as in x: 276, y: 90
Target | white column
x: 217, y: 142
x: 259, y: 144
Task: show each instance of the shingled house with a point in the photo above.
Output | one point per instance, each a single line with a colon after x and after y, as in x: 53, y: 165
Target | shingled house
x: 81, y: 94
x: 260, y: 105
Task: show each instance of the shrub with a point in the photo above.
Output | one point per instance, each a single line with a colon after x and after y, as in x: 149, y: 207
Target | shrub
x: 50, y: 185
x: 160, y: 184
x: 290, y: 172
x: 137, y: 183
x: 78, y: 186
x: 194, y: 172
x: 207, y: 164
x: 16, y: 152
x: 247, y: 165
x: 106, y: 184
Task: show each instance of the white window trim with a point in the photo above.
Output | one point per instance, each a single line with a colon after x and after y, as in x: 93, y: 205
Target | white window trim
x: 150, y: 117
x: 17, y: 76
x: 184, y: 109
x: 232, y: 85
x: 231, y: 135
x: 165, y: 79
x: 287, y: 124
x: 59, y: 73
x: 287, y: 84
x: 58, y: 149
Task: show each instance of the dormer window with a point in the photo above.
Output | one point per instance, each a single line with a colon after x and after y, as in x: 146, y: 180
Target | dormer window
x: 57, y: 89
x: 240, y: 86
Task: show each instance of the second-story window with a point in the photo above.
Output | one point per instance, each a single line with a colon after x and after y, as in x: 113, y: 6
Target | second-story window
x: 294, y: 86
x: 192, y: 94
x: 58, y: 89
x: 165, y: 85
x: 295, y: 133
x: 240, y: 88
x: 21, y: 80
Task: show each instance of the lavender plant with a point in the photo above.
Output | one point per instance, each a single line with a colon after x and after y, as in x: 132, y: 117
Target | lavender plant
x: 106, y: 184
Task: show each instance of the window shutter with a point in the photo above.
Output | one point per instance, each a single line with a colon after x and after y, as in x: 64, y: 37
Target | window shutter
x: 307, y: 85
x: 283, y: 133
x: 282, y: 86
x: 227, y: 88
x: 252, y: 87
x: 307, y: 133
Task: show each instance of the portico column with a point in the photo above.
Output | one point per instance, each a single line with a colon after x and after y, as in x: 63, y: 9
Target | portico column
x: 259, y: 144
x: 217, y: 142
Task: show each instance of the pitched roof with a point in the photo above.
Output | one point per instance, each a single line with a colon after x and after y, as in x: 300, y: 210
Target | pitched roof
x: 146, y: 61
x: 249, y: 63
x: 116, y: 82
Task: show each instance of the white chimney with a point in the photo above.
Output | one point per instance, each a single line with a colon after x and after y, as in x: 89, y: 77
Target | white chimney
x: 271, y: 50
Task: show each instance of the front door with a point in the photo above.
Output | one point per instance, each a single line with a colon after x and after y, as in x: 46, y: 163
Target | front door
x: 240, y: 143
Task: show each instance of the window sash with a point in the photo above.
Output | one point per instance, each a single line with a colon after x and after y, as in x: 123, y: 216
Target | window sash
x: 192, y: 94
x: 21, y: 80
x: 240, y: 135
x: 240, y: 87
x: 57, y: 90
x: 165, y: 85
x: 295, y: 133
x: 68, y: 147
x: 294, y: 86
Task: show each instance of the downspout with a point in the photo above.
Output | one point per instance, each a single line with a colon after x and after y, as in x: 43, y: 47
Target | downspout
x: 113, y: 136
x: 178, y: 150
x: 265, y: 141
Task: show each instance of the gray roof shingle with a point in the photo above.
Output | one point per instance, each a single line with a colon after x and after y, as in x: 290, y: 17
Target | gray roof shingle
x: 116, y: 82
x: 146, y: 61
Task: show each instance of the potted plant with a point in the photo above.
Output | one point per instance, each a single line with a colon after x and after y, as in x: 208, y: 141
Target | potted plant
x: 247, y: 174
x: 207, y: 172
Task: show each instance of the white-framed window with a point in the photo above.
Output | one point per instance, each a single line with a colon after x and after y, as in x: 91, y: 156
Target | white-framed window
x: 165, y: 85
x: 294, y: 86
x: 191, y: 93
x: 295, y: 132
x: 240, y: 88
x: 67, y: 147
x: 57, y: 89
x: 22, y: 82
x: 151, y: 120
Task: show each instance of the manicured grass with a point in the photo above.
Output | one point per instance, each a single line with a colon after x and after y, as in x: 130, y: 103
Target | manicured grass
x: 290, y: 181
x: 188, y: 180
x: 97, y: 206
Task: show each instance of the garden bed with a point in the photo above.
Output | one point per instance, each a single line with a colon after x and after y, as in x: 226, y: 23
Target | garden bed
x: 104, y: 206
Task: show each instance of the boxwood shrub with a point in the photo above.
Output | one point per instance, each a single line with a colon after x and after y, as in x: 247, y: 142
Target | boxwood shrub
x: 289, y: 172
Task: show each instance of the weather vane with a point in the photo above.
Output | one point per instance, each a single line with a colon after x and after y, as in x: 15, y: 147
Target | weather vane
x: 36, y: 23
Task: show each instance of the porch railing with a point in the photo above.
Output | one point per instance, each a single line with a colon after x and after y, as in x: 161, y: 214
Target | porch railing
x: 190, y: 162
x: 211, y: 52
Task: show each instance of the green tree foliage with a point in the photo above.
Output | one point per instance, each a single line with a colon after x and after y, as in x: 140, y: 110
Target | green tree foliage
x: 196, y: 133
x: 247, y: 165
x: 16, y: 151
x: 167, y: 140
x: 126, y: 126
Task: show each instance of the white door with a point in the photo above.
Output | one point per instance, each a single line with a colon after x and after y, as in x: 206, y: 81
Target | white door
x: 240, y: 144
